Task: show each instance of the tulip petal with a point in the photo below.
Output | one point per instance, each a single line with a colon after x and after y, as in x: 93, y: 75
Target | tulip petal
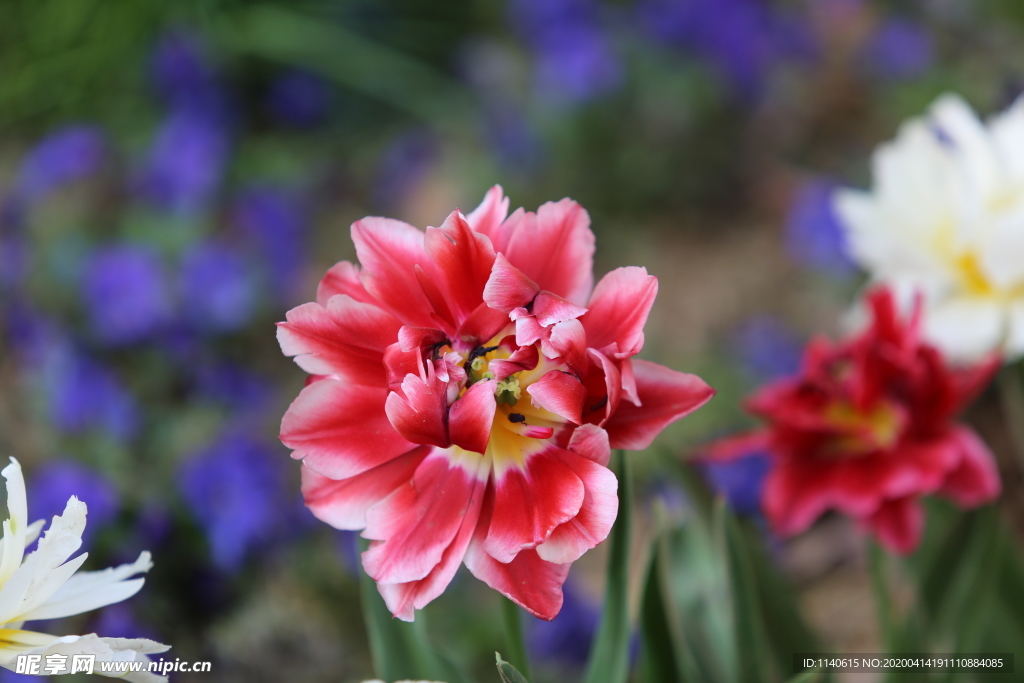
x: 975, y: 480
x: 666, y: 395
x: 346, y: 338
x: 416, y: 524
x: 389, y: 252
x: 470, y: 417
x: 898, y: 524
x: 404, y: 598
x: 342, y: 278
x: 570, y: 540
x: 508, y: 287
x: 488, y: 217
x: 560, y: 393
x: 619, y: 308
x: 591, y: 442
x: 796, y: 494
x: 528, y: 581
x: 555, y: 248
x: 340, y: 429
x: 464, y: 259
x: 419, y: 412
x: 529, y: 502
x: 343, y: 504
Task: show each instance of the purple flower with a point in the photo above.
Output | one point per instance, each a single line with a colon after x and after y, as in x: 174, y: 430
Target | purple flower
x: 899, y: 49
x: 739, y: 481
x: 126, y: 294
x: 741, y: 39
x: 813, y: 234
x: 53, y: 483
x: 299, y: 98
x: 186, y: 161
x: 180, y: 69
x: 217, y: 292
x: 235, y: 387
x: 575, y: 61
x: 84, y: 395
x: 236, y: 488
x: 567, y: 638
x: 766, y: 347
x: 14, y: 261
x: 275, y: 223
x: 68, y: 154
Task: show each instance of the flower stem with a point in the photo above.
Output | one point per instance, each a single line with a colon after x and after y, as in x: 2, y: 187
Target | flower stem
x: 514, y: 638
x: 883, y: 601
x: 1011, y: 395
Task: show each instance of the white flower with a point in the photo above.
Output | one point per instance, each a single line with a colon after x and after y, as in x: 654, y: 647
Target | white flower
x: 48, y: 585
x: 946, y: 218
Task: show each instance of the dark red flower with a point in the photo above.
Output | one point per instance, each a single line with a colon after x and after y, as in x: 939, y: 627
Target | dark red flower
x: 866, y: 428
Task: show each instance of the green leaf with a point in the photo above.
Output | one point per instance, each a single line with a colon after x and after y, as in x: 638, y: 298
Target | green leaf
x: 399, y: 650
x: 667, y: 656
x: 609, y: 658
x: 746, y: 615
x: 508, y: 673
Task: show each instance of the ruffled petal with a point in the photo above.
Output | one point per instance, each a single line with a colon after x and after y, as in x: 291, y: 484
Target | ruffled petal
x: 470, y: 417
x: 559, y: 393
x: 340, y: 429
x: 419, y: 412
x: 619, y: 308
x: 529, y: 502
x: 342, y: 278
x: 404, y: 598
x: 570, y: 540
x: 464, y: 259
x: 555, y: 248
x: 488, y: 217
x: 528, y: 581
x: 343, y: 504
x: 415, y: 525
x: 666, y: 396
x: 796, y: 494
x: 604, y: 388
x: 346, y: 338
x: 389, y: 252
x: 591, y: 442
x: 508, y: 287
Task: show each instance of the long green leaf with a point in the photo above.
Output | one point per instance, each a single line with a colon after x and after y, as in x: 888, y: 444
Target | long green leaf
x: 399, y: 650
x: 507, y: 672
x: 609, y: 655
x: 747, y: 620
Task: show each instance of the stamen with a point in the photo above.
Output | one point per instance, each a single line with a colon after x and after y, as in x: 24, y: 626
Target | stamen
x: 507, y: 391
x: 516, y: 417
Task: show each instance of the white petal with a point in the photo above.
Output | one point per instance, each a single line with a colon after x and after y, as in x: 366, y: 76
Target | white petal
x: 104, y: 649
x: 16, y: 526
x: 1001, y: 251
x: 48, y: 568
x: 87, y: 591
x: 1014, y: 346
x: 965, y: 328
x: 1007, y: 131
x: 972, y: 146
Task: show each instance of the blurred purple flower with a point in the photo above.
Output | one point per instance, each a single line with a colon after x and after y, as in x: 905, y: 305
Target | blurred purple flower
x: 515, y: 142
x: 567, y: 638
x: 299, y: 98
x: 8, y: 676
x: 235, y: 387
x: 82, y: 395
x: 766, y: 347
x: 401, y: 167
x: 186, y: 162
x: 236, y: 489
x: 813, y: 234
x: 55, y: 481
x: 348, y: 550
x: 68, y: 154
x: 275, y: 223
x: 739, y: 481
x: 742, y: 39
x: 180, y: 69
x: 14, y: 260
x: 575, y: 61
x: 899, y: 49
x: 126, y: 294
x: 217, y: 292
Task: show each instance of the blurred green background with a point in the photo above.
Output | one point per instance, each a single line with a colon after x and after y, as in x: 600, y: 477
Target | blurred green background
x: 175, y: 176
